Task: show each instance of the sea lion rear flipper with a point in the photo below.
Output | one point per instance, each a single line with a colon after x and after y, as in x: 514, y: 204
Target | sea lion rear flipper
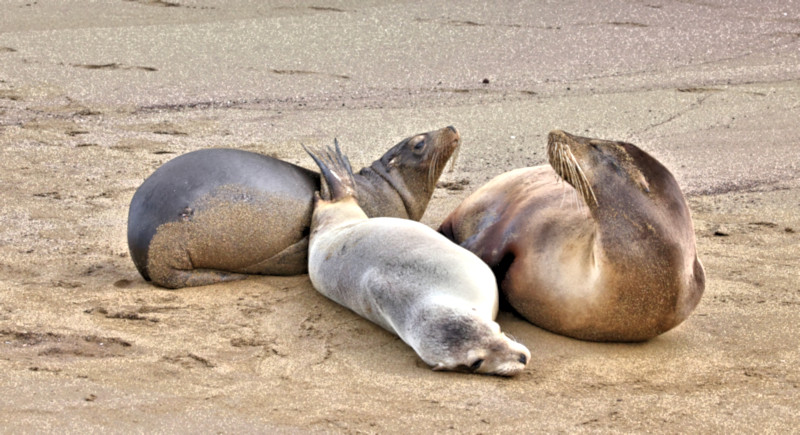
x: 291, y: 261
x: 176, y: 278
x: 336, y: 172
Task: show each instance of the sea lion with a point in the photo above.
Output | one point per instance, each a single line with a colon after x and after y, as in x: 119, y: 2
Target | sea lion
x: 439, y: 298
x: 216, y: 215
x: 610, y: 256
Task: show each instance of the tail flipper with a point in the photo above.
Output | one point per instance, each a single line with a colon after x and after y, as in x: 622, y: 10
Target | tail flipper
x: 336, y: 172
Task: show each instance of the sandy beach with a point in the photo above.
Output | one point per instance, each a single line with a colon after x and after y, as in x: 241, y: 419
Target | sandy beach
x: 94, y: 96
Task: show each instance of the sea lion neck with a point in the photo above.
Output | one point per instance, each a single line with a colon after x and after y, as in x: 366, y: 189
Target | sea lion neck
x: 641, y: 203
x: 388, y: 194
x: 402, y: 181
x: 632, y: 225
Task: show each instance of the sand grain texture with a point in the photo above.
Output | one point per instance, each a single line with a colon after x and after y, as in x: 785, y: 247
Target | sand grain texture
x: 95, y: 95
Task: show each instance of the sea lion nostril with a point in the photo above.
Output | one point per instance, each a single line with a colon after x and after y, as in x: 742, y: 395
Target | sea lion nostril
x: 476, y: 365
x: 523, y: 359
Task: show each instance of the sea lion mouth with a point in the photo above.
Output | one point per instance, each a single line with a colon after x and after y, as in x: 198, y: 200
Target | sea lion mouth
x: 446, y: 146
x: 563, y: 161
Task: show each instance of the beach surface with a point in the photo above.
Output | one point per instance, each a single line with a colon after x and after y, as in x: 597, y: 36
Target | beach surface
x: 94, y: 96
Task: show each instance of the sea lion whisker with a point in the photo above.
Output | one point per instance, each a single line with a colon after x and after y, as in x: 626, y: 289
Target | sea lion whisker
x: 579, y: 180
x: 558, y: 166
x: 552, y: 151
x: 557, y: 163
x: 562, y: 162
x: 588, y: 192
x: 569, y: 174
x: 565, y: 191
x: 570, y: 164
x: 560, y: 154
x: 568, y: 170
x: 432, y: 168
x: 575, y: 195
x: 453, y: 159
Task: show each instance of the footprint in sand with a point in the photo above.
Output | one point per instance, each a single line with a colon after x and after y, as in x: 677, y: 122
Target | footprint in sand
x: 51, y: 344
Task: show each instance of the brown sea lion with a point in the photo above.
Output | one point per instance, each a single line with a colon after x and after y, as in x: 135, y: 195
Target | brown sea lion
x: 610, y: 256
x: 402, y: 275
x: 217, y: 215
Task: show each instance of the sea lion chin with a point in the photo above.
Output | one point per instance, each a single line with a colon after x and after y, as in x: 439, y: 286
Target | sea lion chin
x: 598, y: 245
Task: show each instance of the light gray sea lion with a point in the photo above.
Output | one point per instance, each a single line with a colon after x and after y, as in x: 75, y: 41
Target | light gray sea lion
x: 439, y: 298
x: 610, y: 256
x: 217, y: 215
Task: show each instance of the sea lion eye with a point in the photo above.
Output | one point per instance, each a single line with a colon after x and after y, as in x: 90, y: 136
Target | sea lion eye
x: 419, y: 145
x: 476, y: 365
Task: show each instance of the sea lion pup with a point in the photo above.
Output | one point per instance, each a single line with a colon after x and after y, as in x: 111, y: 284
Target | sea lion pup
x: 438, y: 297
x: 217, y: 215
x: 610, y: 256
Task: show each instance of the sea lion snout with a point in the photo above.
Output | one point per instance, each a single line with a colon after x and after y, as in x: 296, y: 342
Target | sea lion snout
x: 499, y: 355
x: 447, y: 138
x: 511, y: 367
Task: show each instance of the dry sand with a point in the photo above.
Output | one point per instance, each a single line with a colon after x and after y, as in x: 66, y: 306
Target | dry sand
x: 95, y: 95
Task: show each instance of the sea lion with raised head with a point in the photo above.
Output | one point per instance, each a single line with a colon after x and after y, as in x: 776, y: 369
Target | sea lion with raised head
x: 218, y: 215
x: 439, y: 298
x: 609, y: 255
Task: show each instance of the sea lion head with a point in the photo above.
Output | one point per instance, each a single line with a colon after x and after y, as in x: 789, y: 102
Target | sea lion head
x: 413, y: 166
x: 465, y: 342
x: 586, y: 163
x: 613, y: 177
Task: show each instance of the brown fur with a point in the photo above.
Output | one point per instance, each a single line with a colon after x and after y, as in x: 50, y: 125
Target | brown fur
x: 612, y: 259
